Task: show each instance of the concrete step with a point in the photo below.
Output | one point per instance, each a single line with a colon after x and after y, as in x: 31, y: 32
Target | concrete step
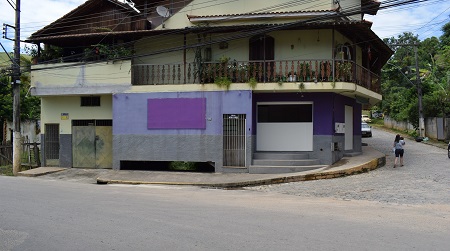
x: 283, y: 162
x: 281, y: 155
x: 282, y: 169
x: 352, y: 154
x: 233, y: 169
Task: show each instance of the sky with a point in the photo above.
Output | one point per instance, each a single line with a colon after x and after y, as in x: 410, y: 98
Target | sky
x: 424, y: 19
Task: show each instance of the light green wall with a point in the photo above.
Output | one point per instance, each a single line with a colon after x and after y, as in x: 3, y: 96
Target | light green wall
x: 298, y: 45
x: 307, y: 44
x: 52, y: 107
x: 225, y: 7
x: 161, y: 50
x: 351, y: 6
x: 88, y: 75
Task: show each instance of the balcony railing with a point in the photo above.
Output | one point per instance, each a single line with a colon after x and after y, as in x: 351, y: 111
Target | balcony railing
x: 259, y: 71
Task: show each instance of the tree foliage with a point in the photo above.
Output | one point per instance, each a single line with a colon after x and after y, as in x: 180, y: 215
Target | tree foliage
x: 29, y: 105
x: 399, y: 85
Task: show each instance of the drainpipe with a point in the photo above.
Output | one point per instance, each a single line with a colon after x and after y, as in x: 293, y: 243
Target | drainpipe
x: 333, y: 53
x: 184, y: 58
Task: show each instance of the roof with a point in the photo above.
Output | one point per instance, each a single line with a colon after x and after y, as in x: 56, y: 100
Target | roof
x: 370, y: 6
x: 357, y: 31
x: 284, y: 14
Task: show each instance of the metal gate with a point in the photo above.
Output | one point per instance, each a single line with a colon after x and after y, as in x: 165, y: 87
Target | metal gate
x: 92, y: 143
x: 51, y: 146
x: 234, y: 140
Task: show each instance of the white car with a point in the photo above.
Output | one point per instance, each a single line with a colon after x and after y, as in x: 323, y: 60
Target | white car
x: 366, y: 130
x: 365, y: 118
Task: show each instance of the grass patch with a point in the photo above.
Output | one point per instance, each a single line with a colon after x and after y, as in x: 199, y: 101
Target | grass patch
x: 6, y: 170
x: 182, y: 166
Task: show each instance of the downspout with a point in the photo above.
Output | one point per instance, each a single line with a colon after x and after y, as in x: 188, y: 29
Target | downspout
x: 333, y: 56
x: 184, y: 58
x: 354, y: 61
x: 264, y: 61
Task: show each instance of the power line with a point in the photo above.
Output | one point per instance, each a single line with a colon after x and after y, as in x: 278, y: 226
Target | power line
x: 354, y: 11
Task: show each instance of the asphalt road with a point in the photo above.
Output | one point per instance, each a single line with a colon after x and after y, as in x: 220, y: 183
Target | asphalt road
x: 39, y: 214
x: 405, y: 208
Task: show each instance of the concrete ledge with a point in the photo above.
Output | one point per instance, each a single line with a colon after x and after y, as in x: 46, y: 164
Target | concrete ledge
x: 323, y: 174
x: 40, y: 171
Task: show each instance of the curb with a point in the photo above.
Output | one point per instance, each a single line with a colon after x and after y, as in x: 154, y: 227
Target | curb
x: 327, y: 174
x: 35, y: 173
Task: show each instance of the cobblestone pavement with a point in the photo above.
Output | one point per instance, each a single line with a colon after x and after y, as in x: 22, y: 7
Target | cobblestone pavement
x: 424, y: 178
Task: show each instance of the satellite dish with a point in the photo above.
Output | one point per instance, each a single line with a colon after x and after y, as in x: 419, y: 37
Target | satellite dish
x: 162, y: 11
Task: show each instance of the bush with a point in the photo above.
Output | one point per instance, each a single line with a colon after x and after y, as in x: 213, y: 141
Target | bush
x: 182, y: 166
x: 6, y: 170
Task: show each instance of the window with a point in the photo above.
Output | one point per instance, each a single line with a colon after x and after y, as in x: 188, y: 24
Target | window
x: 90, y: 101
x: 289, y: 113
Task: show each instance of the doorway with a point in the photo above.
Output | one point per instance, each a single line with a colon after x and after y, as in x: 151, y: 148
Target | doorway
x: 92, y: 143
x: 51, y: 147
x: 261, y: 56
x: 234, y: 140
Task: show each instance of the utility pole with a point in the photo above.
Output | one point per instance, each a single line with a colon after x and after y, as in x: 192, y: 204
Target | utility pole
x: 419, y: 94
x: 17, y: 137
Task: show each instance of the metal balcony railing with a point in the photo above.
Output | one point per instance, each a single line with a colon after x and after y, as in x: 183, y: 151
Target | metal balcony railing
x: 268, y: 71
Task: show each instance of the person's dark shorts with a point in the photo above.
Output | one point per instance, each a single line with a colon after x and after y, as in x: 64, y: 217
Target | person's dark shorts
x: 399, y: 152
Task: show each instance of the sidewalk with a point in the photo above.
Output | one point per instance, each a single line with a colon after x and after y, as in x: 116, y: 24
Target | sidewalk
x: 370, y: 159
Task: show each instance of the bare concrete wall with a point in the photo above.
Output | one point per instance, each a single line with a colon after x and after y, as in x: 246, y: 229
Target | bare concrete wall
x: 431, y: 127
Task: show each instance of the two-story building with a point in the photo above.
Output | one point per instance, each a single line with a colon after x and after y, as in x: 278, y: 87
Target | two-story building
x: 241, y: 85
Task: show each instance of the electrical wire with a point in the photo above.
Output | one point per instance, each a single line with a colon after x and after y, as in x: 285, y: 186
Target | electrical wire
x: 356, y: 11
x: 388, y: 3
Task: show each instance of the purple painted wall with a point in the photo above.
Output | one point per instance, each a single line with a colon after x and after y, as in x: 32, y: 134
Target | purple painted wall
x: 176, y: 113
x: 130, y: 111
x: 328, y: 108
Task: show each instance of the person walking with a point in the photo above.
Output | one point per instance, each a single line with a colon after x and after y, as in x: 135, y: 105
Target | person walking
x: 398, y: 149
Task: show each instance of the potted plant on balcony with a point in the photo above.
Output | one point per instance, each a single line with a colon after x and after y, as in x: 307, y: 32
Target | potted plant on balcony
x: 304, y: 71
x: 292, y: 77
x: 32, y: 51
x: 345, y: 70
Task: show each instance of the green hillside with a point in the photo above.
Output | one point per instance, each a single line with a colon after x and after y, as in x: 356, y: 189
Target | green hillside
x: 4, y: 60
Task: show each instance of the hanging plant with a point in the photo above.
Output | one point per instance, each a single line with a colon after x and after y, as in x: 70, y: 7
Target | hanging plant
x: 223, y: 82
x: 252, y: 83
x: 301, y: 86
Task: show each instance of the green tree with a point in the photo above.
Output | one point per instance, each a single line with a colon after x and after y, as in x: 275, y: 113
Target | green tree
x: 29, y: 105
x: 399, y: 84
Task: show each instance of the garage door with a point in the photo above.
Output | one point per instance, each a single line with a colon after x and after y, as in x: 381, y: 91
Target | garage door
x: 284, y: 127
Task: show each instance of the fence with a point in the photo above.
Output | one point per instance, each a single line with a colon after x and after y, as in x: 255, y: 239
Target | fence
x: 5, y: 154
x: 30, y: 155
x: 435, y: 128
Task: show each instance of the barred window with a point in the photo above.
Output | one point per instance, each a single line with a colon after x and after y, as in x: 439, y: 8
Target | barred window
x: 90, y: 101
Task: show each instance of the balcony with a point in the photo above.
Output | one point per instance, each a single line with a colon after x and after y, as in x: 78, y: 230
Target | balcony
x: 260, y: 71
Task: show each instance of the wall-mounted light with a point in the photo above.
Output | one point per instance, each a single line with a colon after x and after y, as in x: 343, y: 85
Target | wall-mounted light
x: 223, y: 45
